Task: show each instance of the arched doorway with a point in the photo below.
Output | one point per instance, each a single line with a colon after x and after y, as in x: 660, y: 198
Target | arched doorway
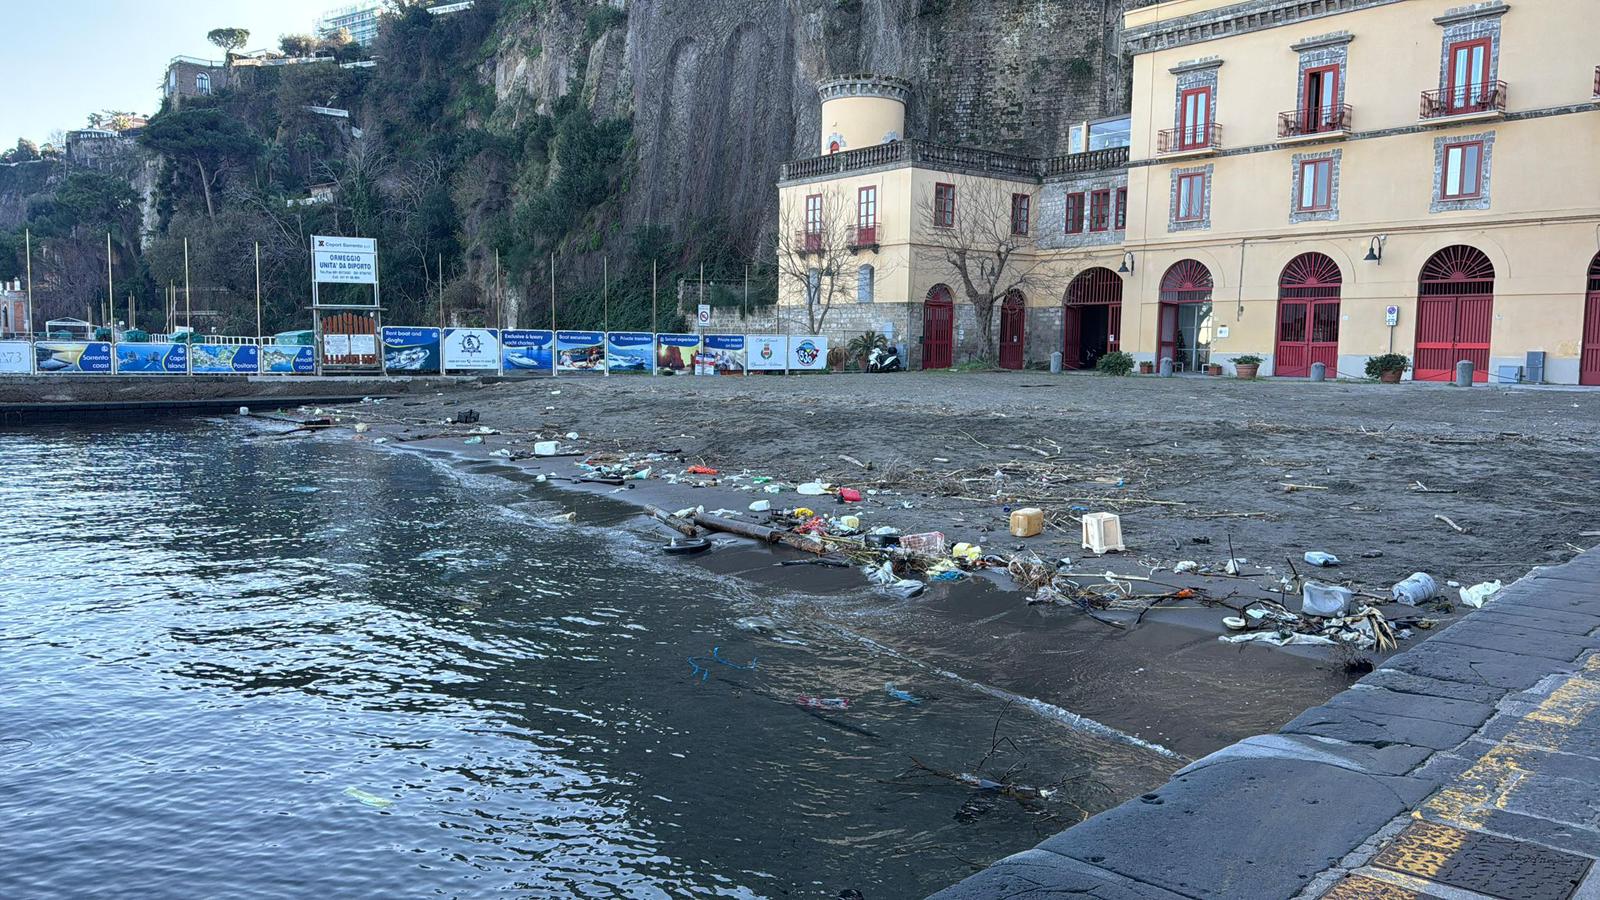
x: 1013, y: 324
x: 938, y: 328
x: 1091, y: 318
x: 1308, y: 316
x: 1455, y: 310
x: 1185, y: 325
x: 1589, y: 358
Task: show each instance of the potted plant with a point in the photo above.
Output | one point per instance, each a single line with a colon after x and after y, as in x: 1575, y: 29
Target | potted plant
x: 1387, y: 367
x: 861, y: 346
x: 1214, y: 369
x: 1245, y: 365
x: 1115, y: 363
x: 836, y: 359
x: 1146, y: 367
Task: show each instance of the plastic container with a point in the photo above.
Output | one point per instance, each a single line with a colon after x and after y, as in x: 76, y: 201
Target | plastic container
x: 1327, y: 600
x: 849, y: 495
x: 761, y: 506
x: 1319, y: 558
x: 1027, y: 522
x: 546, y: 448
x: 928, y: 544
x: 1102, y: 532
x: 1419, y: 588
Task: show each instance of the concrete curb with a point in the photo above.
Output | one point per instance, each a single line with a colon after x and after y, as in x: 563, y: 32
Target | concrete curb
x: 1306, y: 811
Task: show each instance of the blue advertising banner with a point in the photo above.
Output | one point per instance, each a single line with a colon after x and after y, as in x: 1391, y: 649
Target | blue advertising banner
x: 675, y: 353
x: 723, y: 354
x: 288, y: 359
x: 526, y: 352
x: 73, y: 356
x: 629, y: 352
x: 224, y: 359
x: 152, y: 359
x: 411, y: 351
x: 580, y: 352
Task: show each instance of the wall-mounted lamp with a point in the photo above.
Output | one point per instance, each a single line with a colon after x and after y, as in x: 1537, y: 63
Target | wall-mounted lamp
x: 1375, y: 248
x: 1127, y: 264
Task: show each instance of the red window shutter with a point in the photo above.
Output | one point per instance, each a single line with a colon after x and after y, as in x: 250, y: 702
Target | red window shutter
x: 1122, y: 209
x: 1100, y: 210
x: 1075, y: 213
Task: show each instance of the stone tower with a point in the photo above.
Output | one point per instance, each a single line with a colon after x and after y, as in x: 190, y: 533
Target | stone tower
x: 862, y: 111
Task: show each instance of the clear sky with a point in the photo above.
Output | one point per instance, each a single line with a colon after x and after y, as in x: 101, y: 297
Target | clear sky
x: 63, y: 59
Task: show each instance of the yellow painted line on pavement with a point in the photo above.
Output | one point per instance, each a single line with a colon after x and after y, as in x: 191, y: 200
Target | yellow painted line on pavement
x: 1489, y: 783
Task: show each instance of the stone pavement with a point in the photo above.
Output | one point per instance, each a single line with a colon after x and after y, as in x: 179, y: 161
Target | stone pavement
x: 1466, y: 767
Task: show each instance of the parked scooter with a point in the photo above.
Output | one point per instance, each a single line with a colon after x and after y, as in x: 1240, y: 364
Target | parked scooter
x: 883, y: 359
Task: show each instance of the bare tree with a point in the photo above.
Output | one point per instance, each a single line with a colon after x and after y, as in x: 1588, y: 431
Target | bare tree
x: 985, y: 252
x: 816, y: 252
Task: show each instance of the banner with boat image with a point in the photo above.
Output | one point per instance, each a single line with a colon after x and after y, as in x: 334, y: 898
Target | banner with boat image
x: 152, y: 359
x: 580, y: 353
x: 675, y: 353
x: 722, y: 354
x: 471, y: 349
x: 411, y: 351
x: 72, y: 357
x: 630, y: 352
x: 224, y: 359
x: 527, y: 352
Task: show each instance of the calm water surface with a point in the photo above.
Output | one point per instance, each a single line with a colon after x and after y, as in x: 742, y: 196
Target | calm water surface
x: 243, y: 667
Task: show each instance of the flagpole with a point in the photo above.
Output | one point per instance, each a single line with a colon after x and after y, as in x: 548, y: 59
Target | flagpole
x: 188, y: 313
x: 258, y: 294
x: 111, y: 297
x: 27, y: 241
x: 499, y: 295
x: 441, y: 293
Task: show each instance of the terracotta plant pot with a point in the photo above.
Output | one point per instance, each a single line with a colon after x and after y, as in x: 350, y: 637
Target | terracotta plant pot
x: 1147, y: 368
x: 1213, y: 369
x: 1246, y: 371
x: 1391, y: 376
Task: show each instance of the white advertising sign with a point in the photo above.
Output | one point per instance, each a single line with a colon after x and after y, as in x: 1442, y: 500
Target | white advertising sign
x: 364, y: 344
x: 16, y: 358
x: 808, y: 353
x: 766, y: 352
x: 335, y: 345
x: 476, y: 349
x: 345, y: 260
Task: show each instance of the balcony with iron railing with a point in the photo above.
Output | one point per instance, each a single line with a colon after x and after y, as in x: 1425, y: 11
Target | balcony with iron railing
x: 1193, y: 140
x: 864, y: 237
x: 949, y: 158
x: 808, y: 241
x: 1313, y: 123
x: 1468, y: 101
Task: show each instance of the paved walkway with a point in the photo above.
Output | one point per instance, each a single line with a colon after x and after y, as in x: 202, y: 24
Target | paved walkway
x: 1466, y: 767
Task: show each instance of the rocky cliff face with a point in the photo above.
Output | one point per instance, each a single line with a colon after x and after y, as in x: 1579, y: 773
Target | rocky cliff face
x: 721, y: 92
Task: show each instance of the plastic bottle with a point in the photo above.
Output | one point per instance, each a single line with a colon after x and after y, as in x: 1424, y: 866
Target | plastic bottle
x: 1319, y: 558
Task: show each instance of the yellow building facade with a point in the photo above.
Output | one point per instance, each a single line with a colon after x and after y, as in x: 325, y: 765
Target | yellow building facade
x: 1308, y: 181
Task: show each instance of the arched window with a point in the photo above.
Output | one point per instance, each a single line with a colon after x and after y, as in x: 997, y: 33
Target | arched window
x: 1455, y: 313
x: 864, y: 286
x: 1187, y: 281
x: 833, y: 147
x: 202, y: 83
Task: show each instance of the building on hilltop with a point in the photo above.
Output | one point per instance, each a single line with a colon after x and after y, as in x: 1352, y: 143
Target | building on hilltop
x: 1303, y: 180
x: 360, y: 19
x: 189, y: 76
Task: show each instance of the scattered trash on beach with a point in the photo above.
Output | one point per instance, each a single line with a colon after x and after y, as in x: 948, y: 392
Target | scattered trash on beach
x: 1479, y: 594
x: 902, y: 696
x: 1319, y: 558
x: 1419, y: 587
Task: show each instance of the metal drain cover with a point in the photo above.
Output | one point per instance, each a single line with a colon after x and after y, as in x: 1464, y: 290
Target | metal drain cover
x: 1496, y: 866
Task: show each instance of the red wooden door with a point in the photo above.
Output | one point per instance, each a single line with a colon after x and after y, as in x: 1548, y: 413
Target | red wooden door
x: 1168, y: 333
x: 1114, y: 326
x: 1455, y: 314
x: 1013, y: 321
x: 1293, y: 359
x: 1308, y: 316
x: 938, y: 329
x: 1589, y: 362
x: 1072, y: 337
